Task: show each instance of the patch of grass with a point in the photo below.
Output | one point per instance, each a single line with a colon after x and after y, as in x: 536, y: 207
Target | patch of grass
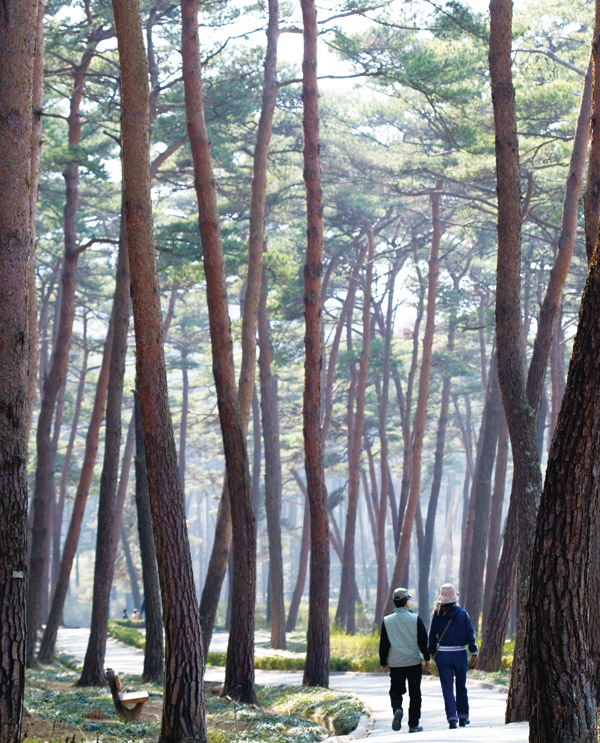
x: 336, y: 711
x: 124, y: 631
x: 358, y: 652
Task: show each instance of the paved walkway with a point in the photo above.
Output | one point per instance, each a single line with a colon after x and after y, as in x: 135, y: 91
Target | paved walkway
x: 486, y: 705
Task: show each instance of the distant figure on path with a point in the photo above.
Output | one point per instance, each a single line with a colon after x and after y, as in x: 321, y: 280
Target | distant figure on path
x: 136, y: 614
x: 451, y: 629
x: 402, y: 645
x: 125, y: 614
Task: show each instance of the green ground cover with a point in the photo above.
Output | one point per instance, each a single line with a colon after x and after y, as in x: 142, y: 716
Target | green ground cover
x: 58, y: 712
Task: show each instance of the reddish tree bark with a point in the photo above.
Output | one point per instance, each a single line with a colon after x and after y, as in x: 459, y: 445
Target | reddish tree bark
x: 345, y: 614
x: 43, y: 488
x: 521, y: 403
x: 222, y: 542
x: 239, y: 672
x: 292, y: 617
x: 18, y: 25
x: 316, y: 669
x: 183, y: 701
x: 270, y: 427
x: 154, y: 657
x: 402, y: 557
x: 48, y: 643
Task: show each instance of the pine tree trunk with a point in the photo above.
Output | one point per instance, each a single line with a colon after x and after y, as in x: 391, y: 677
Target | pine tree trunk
x: 522, y: 403
x: 268, y: 399
x: 495, y: 535
x: 218, y: 560
x: 425, y: 561
x: 345, y: 615
x: 40, y: 545
x: 316, y: 669
x: 481, y: 497
x: 17, y: 53
x: 239, y: 671
x: 183, y: 717
x: 154, y: 659
x: 48, y: 643
x: 292, y: 617
x: 109, y: 517
x: 402, y: 556
x: 561, y: 675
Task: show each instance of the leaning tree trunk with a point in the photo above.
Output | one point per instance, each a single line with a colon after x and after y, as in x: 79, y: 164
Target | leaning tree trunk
x: 40, y: 545
x: 183, y: 718
x: 560, y: 681
x: 425, y: 561
x: 481, y: 495
x: 221, y: 546
x: 17, y: 53
x: 154, y: 657
x: 402, y: 556
x: 345, y: 615
x: 292, y: 617
x: 92, y: 673
x: 316, y: 669
x: 495, y: 535
x: 239, y: 672
x: 268, y: 401
x: 522, y: 403
x: 83, y: 488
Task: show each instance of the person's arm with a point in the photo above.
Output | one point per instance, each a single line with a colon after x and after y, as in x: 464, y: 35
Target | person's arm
x: 422, y: 639
x: 433, y: 637
x: 384, y: 648
x: 470, y: 635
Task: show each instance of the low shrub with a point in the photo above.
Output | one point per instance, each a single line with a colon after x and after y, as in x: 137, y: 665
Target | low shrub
x: 123, y: 631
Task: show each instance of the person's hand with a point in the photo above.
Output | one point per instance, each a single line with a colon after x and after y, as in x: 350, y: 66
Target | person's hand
x: 473, y: 661
x: 384, y: 669
x: 433, y: 656
x: 427, y: 665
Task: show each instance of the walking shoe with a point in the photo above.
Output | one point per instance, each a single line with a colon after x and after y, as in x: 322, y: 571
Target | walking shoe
x: 397, y: 721
x: 415, y: 729
x: 452, y: 724
x: 463, y: 723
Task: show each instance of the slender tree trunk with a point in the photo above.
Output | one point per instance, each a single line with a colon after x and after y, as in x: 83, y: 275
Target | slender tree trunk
x: 419, y: 424
x: 109, y: 517
x: 268, y: 399
x: 239, y: 672
x: 256, y: 453
x: 85, y: 480
x: 316, y: 669
x: 425, y: 562
x: 183, y: 717
x: 40, y: 547
x: 185, y: 393
x: 219, y: 556
x: 481, y: 497
x: 345, y: 615
x: 18, y: 24
x: 154, y: 660
x: 62, y: 491
x: 292, y: 618
x: 136, y: 596
x: 495, y: 535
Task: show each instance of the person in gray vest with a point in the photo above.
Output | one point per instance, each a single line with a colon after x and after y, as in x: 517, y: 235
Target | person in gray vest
x: 402, y: 646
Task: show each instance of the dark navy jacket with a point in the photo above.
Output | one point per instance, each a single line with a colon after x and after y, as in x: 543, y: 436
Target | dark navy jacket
x: 459, y: 633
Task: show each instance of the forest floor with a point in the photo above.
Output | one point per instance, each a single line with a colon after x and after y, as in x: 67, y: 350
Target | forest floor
x: 487, y: 702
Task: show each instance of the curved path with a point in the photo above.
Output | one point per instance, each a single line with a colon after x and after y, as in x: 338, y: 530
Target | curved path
x: 486, y: 704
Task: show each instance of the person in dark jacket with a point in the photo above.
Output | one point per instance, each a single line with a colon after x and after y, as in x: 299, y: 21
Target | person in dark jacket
x: 403, y: 641
x: 451, y: 630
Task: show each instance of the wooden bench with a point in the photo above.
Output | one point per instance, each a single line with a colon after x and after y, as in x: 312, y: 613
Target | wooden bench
x: 129, y: 706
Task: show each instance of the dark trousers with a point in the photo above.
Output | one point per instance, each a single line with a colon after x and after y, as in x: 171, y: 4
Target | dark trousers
x: 398, y: 678
x: 453, y: 665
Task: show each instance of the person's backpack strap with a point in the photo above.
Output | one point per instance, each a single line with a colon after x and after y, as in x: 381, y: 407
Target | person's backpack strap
x: 445, y: 630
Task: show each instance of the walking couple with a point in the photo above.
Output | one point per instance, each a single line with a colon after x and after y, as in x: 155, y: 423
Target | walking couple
x: 404, y: 643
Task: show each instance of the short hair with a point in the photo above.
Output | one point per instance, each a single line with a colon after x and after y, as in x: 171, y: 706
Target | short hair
x: 401, y: 602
